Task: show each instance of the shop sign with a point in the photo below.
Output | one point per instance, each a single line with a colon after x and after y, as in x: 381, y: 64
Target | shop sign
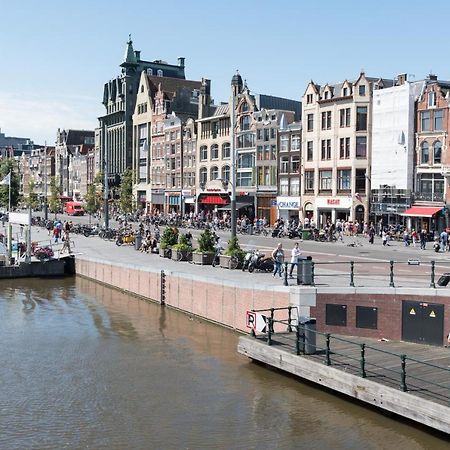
x: 333, y: 202
x: 186, y: 192
x: 288, y: 202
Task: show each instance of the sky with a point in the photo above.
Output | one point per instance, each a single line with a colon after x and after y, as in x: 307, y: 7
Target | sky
x: 55, y: 56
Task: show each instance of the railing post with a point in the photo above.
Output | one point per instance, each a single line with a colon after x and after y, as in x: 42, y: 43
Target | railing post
x: 297, y: 339
x: 163, y: 288
x: 391, y: 274
x: 312, y: 273
x: 432, y: 283
x: 327, y: 350
x: 252, y: 332
x: 269, y: 332
x: 363, y: 360
x: 403, y: 386
x: 289, y: 319
x: 285, y: 282
x: 272, y: 315
x: 352, y: 273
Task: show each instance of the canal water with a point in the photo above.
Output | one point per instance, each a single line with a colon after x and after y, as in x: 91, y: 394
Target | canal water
x: 84, y: 366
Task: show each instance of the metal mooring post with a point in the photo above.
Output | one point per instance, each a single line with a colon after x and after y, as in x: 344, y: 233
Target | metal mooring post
x: 269, y: 331
x: 297, y: 340
x: 312, y: 273
x: 285, y: 282
x: 352, y: 273
x: 391, y: 274
x: 289, y: 319
x: 272, y: 315
x: 403, y: 386
x: 432, y: 283
x: 163, y: 288
x: 327, y: 350
x: 363, y: 360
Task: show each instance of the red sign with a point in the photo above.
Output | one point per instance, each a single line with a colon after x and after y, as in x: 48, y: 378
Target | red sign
x: 333, y: 201
x: 213, y: 190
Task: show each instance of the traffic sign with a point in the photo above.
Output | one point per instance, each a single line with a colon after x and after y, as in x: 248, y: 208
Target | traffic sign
x: 256, y: 321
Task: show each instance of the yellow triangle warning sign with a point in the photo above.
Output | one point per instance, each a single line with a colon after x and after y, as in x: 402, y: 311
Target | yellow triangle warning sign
x: 432, y: 314
x: 412, y: 312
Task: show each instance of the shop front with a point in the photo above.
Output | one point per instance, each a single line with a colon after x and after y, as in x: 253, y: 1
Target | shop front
x: 329, y: 209
x: 288, y: 208
x: 429, y: 218
x: 266, y: 207
x: 188, y: 201
x: 157, y: 202
x: 172, y: 202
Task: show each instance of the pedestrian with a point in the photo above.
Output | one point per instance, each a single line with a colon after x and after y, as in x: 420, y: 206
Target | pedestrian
x: 278, y: 257
x: 444, y: 240
x: 423, y: 239
x: 295, y: 255
x: 371, y: 234
x: 414, y: 237
x: 384, y: 238
x: 405, y: 238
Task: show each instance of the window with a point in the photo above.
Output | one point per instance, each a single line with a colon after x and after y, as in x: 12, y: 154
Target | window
x: 244, y: 179
x: 295, y: 143
x: 326, y: 120
x: 295, y: 186
x: 431, y: 99
x: 284, y: 143
x: 425, y: 120
x: 149, y: 71
x: 424, y: 153
x: 203, y: 175
x: 246, y: 161
x: 226, y: 150
x: 326, y: 149
x: 295, y: 164
x: 310, y: 122
x: 203, y: 153
x: 362, y: 90
x: 344, y: 180
x: 344, y: 117
x: 266, y: 134
x: 344, y: 148
x: 309, y: 98
x: 246, y: 140
x: 361, y: 118
x: 309, y: 151
x: 272, y: 133
x: 284, y: 164
x: 437, y: 152
x: 214, y: 151
x: 244, y: 107
x: 325, y: 178
x: 284, y: 186
x: 159, y: 73
x: 245, y: 123
x: 309, y: 180
x: 344, y: 92
x: 431, y: 186
x: 361, y: 146
x: 259, y: 133
x: 226, y: 173
x: 214, y: 173
x: 360, y: 181
x: 438, y: 116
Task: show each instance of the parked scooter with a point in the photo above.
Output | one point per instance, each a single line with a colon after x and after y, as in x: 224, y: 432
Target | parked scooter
x: 247, y: 259
x: 437, y: 246
x: 219, y: 251
x: 261, y: 262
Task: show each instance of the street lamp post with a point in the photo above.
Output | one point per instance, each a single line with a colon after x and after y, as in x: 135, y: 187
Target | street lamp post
x: 45, y: 183
x: 233, y: 164
x: 106, y: 186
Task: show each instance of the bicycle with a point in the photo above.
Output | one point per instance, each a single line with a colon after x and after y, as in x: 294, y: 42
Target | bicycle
x: 233, y: 263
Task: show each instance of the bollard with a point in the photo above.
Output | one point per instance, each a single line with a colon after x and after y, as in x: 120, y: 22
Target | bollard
x: 327, y: 350
x: 272, y: 314
x: 432, y: 283
x: 363, y: 360
x: 312, y: 273
x: 391, y: 274
x: 403, y: 386
x: 269, y: 332
x: 289, y: 319
x: 285, y: 282
x: 163, y: 288
x: 352, y: 273
x: 297, y: 340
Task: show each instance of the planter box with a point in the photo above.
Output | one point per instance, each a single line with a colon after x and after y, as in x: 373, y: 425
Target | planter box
x: 203, y: 259
x: 181, y: 255
x: 165, y: 253
x: 225, y: 262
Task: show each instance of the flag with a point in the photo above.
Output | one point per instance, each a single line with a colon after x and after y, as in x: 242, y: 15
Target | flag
x: 6, y: 180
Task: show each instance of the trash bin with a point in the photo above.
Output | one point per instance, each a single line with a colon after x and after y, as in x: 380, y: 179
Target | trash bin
x: 306, y: 234
x: 444, y: 279
x: 137, y: 241
x: 308, y: 327
x: 306, y: 271
x: 250, y: 229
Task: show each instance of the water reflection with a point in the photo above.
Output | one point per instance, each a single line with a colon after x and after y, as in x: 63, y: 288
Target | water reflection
x: 95, y: 368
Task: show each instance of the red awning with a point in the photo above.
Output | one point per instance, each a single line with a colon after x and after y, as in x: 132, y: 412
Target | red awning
x: 213, y: 200
x: 421, y: 211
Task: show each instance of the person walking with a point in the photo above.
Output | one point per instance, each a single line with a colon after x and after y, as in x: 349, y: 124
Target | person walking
x: 278, y: 257
x: 414, y: 237
x: 423, y: 239
x: 371, y: 234
x: 295, y: 255
x: 444, y: 240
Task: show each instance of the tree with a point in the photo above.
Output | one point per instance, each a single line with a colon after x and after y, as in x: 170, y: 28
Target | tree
x: 55, y: 201
x: 92, y: 200
x: 33, y: 200
x: 126, y: 192
x: 7, y: 166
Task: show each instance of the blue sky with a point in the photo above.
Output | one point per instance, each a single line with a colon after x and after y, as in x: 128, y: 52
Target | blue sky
x: 56, y: 55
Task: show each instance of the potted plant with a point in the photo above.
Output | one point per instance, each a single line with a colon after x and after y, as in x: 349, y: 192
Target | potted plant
x: 233, y: 256
x: 182, y: 251
x: 168, y: 239
x: 204, y: 254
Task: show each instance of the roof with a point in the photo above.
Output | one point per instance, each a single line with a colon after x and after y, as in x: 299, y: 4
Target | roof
x: 170, y: 85
x: 222, y: 110
x: 76, y: 137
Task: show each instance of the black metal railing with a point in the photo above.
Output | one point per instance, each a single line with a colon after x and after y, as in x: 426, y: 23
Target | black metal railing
x: 392, y: 369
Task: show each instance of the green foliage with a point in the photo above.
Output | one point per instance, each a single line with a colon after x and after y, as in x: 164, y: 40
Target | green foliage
x: 55, y: 202
x: 206, y: 242
x: 168, y: 238
x: 99, y: 178
x: 92, y: 200
x: 7, y: 166
x: 126, y: 192
x: 234, y: 249
x: 32, y: 200
x: 183, y: 243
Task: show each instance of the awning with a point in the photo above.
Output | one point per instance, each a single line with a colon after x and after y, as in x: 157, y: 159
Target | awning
x: 239, y: 205
x: 422, y: 211
x: 213, y: 200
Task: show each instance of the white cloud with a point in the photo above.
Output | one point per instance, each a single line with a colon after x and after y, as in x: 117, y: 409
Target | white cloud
x: 38, y: 117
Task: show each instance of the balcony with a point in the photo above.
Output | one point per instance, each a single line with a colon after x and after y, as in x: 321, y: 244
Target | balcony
x: 428, y: 197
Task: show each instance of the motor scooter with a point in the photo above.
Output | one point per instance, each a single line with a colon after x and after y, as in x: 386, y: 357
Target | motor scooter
x: 261, y: 262
x: 437, y: 246
x: 247, y: 259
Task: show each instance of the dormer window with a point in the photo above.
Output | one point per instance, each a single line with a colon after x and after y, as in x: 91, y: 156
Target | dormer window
x: 345, y: 92
x: 309, y: 98
x: 244, y: 107
x: 325, y: 95
x: 362, y: 90
x: 149, y: 71
x: 431, y: 99
x: 159, y: 73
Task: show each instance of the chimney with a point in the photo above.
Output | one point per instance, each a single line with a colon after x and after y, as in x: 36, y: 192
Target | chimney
x: 432, y: 77
x: 402, y: 77
x: 137, y: 53
x: 181, y: 61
